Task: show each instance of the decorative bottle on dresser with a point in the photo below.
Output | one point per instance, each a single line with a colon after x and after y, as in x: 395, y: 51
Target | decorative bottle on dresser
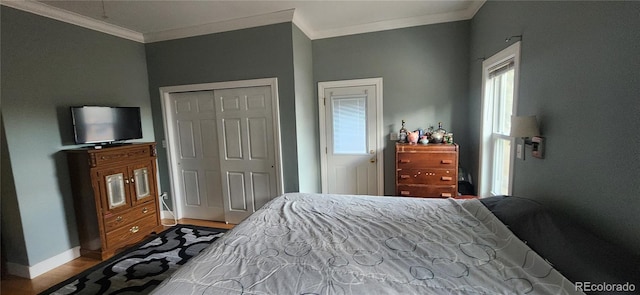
x: 403, y: 133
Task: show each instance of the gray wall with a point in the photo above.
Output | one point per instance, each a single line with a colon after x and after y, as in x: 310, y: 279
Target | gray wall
x: 12, y: 237
x: 48, y: 66
x: 306, y: 114
x: 425, y: 78
x: 580, y: 75
x: 262, y: 52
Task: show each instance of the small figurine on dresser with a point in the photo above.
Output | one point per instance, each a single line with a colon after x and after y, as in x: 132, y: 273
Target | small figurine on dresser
x: 403, y: 133
x: 448, y: 138
x: 412, y: 137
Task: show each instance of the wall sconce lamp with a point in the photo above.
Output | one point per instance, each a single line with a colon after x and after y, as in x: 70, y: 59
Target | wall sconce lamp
x: 527, y: 128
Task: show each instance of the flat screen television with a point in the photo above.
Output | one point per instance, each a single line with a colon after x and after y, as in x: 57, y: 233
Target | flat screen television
x: 105, y: 125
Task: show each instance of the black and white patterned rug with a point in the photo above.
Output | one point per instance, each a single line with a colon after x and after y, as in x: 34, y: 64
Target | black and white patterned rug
x: 140, y: 269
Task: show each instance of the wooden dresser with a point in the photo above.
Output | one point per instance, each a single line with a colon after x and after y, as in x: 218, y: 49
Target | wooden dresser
x: 115, y: 196
x: 428, y: 171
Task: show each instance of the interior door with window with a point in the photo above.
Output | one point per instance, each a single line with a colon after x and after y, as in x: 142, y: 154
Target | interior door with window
x: 352, y: 161
x: 499, y: 98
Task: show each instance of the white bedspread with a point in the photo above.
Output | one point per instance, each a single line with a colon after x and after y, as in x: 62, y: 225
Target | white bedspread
x: 330, y: 244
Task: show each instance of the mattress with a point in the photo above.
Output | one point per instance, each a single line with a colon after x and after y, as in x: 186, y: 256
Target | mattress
x: 336, y: 244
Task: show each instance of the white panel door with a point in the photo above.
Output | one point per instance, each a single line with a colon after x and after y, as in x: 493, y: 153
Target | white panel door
x: 351, y: 140
x: 198, y: 164
x: 247, y: 149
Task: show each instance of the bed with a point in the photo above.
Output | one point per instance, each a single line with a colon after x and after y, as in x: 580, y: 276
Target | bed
x: 335, y: 244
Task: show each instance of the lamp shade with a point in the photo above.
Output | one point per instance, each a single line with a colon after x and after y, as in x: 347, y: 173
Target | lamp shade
x: 524, y: 126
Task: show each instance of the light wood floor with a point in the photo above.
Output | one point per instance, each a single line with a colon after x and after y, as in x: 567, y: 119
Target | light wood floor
x: 20, y: 286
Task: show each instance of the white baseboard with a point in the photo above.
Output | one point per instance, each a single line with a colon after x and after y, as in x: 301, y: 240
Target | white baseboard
x: 31, y: 272
x: 167, y: 218
x: 164, y: 214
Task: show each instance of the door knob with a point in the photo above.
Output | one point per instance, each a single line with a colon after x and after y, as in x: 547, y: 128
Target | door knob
x: 372, y: 152
x: 372, y: 160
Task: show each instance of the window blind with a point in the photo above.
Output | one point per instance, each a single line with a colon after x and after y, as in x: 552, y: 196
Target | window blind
x: 501, y: 68
x: 349, y: 125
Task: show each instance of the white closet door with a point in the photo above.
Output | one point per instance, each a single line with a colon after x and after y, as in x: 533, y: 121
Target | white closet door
x: 198, y: 164
x: 244, y: 119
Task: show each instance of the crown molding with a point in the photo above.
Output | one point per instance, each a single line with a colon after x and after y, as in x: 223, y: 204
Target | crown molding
x: 398, y: 23
x: 73, y: 18
x: 237, y: 24
x: 474, y: 8
x: 224, y: 26
x: 302, y: 25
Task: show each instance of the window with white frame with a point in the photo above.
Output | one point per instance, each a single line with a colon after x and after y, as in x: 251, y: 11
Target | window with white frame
x: 499, y: 97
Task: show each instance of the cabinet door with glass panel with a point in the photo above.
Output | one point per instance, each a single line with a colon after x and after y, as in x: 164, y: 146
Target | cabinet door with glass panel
x: 142, y: 182
x: 126, y: 186
x: 113, y: 184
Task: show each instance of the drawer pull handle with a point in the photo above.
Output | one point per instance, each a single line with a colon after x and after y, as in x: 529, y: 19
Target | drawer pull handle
x: 446, y: 178
x: 446, y: 162
x: 446, y: 195
x: 134, y: 229
x: 145, y: 210
x: 405, y: 193
x: 405, y: 161
x: 119, y: 219
x: 404, y: 176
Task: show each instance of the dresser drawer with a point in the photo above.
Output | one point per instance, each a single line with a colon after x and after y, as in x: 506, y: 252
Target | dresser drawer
x: 428, y: 191
x: 108, y: 156
x: 426, y: 160
x: 131, y: 233
x: 424, y: 176
x: 115, y: 221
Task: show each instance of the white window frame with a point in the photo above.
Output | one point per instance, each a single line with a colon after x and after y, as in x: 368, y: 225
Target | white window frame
x: 486, y: 125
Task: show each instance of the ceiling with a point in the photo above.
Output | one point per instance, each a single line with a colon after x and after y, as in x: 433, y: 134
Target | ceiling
x: 149, y: 21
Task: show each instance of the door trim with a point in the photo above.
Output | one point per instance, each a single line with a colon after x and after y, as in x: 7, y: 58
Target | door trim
x: 377, y: 83
x: 172, y: 147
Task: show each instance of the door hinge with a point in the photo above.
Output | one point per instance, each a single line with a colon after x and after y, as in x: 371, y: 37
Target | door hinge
x: 326, y: 150
x: 324, y: 101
